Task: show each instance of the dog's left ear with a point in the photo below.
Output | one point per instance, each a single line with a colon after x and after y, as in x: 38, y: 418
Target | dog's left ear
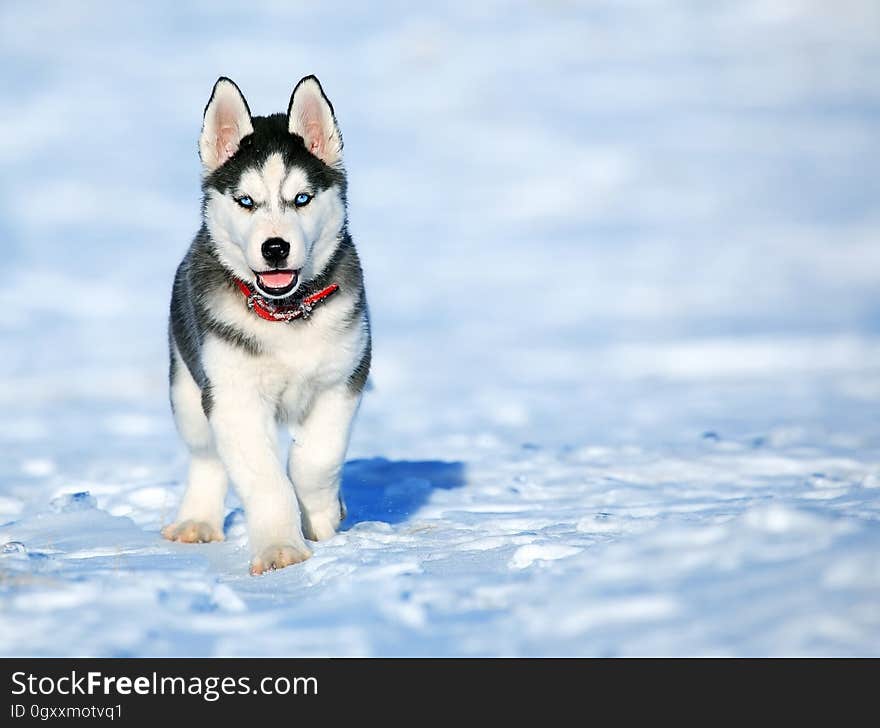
x: 310, y: 115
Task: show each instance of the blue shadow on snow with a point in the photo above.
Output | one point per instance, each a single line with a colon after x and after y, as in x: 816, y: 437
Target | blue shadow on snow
x: 393, y: 490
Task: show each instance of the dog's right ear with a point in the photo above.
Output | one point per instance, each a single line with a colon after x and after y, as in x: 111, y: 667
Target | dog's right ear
x: 227, y: 121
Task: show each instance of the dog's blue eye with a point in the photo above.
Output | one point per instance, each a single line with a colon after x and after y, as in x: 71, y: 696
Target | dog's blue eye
x: 302, y: 199
x: 246, y: 202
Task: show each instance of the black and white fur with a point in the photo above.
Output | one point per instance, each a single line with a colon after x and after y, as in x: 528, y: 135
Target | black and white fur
x: 234, y: 376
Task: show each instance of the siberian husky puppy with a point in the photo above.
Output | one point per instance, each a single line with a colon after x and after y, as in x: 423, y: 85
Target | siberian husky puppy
x: 268, y: 326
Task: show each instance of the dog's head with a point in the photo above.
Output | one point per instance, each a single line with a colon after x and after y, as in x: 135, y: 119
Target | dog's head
x: 274, y: 186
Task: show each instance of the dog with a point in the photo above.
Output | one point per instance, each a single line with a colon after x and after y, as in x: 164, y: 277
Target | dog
x: 268, y: 326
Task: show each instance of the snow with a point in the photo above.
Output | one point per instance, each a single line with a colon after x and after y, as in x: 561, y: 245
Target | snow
x: 622, y: 264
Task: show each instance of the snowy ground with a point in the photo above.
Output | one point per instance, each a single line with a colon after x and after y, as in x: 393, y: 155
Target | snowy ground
x: 622, y: 259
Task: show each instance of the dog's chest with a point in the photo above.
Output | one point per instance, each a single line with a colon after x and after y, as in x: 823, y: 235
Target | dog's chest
x: 304, y: 357
x: 296, y: 360
x: 308, y: 352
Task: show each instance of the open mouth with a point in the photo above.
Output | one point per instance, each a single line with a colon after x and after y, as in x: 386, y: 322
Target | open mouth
x: 277, y: 282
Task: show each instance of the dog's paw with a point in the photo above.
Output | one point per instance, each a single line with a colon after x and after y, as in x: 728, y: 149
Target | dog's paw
x: 322, y: 525
x: 192, y: 532
x: 278, y: 556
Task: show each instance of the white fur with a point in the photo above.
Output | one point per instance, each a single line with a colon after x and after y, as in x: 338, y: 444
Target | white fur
x: 316, y: 457
x: 186, y: 399
x: 206, y: 482
x: 243, y: 422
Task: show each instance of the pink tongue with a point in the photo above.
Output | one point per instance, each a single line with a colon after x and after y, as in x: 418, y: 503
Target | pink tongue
x: 277, y: 278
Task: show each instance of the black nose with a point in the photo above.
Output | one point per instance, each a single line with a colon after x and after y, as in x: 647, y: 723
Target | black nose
x: 275, y: 250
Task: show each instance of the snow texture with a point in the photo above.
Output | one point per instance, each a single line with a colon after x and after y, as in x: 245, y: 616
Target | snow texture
x: 622, y: 260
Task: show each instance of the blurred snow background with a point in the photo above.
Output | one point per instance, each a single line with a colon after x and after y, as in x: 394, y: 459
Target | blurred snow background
x: 622, y: 260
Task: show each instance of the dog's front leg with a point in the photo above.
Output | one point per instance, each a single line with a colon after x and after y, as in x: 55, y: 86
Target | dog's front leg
x: 245, y: 432
x: 316, y: 459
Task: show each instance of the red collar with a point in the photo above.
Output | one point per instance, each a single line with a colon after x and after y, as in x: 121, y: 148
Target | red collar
x: 267, y: 311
